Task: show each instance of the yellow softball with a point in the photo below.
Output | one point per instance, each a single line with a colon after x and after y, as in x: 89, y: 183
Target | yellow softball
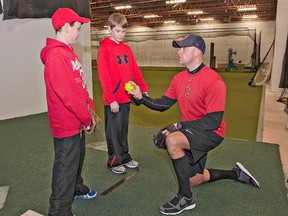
x: 128, y: 87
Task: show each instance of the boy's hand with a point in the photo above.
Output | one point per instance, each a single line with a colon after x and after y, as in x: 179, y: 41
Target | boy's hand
x: 114, y: 106
x: 94, y: 122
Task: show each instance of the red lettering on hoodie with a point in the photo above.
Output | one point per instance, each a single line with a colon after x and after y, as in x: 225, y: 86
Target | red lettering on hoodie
x: 66, y: 93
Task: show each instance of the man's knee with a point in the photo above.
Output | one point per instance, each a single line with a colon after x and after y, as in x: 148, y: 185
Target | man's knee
x: 170, y: 142
x: 196, y: 180
x: 199, y: 179
x: 172, y: 145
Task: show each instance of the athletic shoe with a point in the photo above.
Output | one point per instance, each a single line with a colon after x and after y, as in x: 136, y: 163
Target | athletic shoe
x: 132, y: 164
x: 91, y: 195
x: 177, y: 205
x: 245, y: 176
x: 118, y: 169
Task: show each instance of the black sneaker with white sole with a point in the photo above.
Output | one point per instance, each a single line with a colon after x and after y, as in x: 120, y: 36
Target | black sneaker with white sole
x: 245, y: 176
x: 177, y: 205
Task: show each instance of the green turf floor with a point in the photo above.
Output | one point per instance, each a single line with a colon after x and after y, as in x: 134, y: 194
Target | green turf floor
x: 27, y: 153
x: 242, y: 103
x: 27, y: 156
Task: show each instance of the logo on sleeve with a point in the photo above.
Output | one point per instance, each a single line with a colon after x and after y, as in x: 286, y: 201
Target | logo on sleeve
x: 77, y: 67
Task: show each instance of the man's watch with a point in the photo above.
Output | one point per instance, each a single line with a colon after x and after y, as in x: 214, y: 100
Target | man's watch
x: 179, y: 126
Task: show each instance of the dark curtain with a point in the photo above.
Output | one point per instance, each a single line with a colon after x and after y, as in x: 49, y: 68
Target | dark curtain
x: 1, y: 11
x: 43, y: 8
x: 284, y: 74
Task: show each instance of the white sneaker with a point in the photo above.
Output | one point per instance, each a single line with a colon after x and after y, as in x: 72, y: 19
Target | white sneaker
x: 118, y: 169
x: 132, y: 164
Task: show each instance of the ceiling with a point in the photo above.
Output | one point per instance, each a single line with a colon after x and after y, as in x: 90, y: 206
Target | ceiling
x: 222, y: 11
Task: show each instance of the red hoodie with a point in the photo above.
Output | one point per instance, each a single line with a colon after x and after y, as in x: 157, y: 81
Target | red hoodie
x: 117, y: 66
x: 66, y: 93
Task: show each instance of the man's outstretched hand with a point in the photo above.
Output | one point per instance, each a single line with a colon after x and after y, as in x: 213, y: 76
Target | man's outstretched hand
x: 136, y: 92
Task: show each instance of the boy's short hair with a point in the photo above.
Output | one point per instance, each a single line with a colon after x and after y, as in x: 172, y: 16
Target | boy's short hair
x: 117, y: 18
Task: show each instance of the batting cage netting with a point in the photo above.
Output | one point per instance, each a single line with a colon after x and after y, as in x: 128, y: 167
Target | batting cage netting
x: 144, y: 40
x: 263, y: 74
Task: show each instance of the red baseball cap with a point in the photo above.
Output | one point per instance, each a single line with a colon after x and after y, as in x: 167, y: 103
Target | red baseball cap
x: 66, y: 15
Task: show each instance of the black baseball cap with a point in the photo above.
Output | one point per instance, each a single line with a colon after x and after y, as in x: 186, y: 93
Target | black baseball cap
x: 190, y: 41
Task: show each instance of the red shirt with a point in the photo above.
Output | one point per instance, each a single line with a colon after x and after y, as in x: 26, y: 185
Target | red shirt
x: 198, y: 94
x: 117, y: 66
x: 66, y: 93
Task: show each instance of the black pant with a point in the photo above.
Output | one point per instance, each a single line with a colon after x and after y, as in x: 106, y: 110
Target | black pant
x: 116, y: 130
x: 66, y: 174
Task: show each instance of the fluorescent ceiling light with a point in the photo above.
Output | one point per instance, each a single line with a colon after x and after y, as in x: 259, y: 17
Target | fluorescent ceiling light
x: 194, y: 12
x: 169, y: 21
x: 247, y: 8
x: 207, y: 19
x: 123, y: 7
x: 249, y: 16
x: 175, y: 1
x: 151, y: 16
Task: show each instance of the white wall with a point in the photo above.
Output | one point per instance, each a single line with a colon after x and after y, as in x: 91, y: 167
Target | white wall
x: 280, y: 42
x: 22, y: 88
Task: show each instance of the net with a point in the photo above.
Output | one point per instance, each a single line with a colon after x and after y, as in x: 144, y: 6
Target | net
x: 263, y: 74
x: 156, y: 34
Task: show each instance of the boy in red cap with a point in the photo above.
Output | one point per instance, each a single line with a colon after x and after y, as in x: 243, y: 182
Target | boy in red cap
x: 67, y: 101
